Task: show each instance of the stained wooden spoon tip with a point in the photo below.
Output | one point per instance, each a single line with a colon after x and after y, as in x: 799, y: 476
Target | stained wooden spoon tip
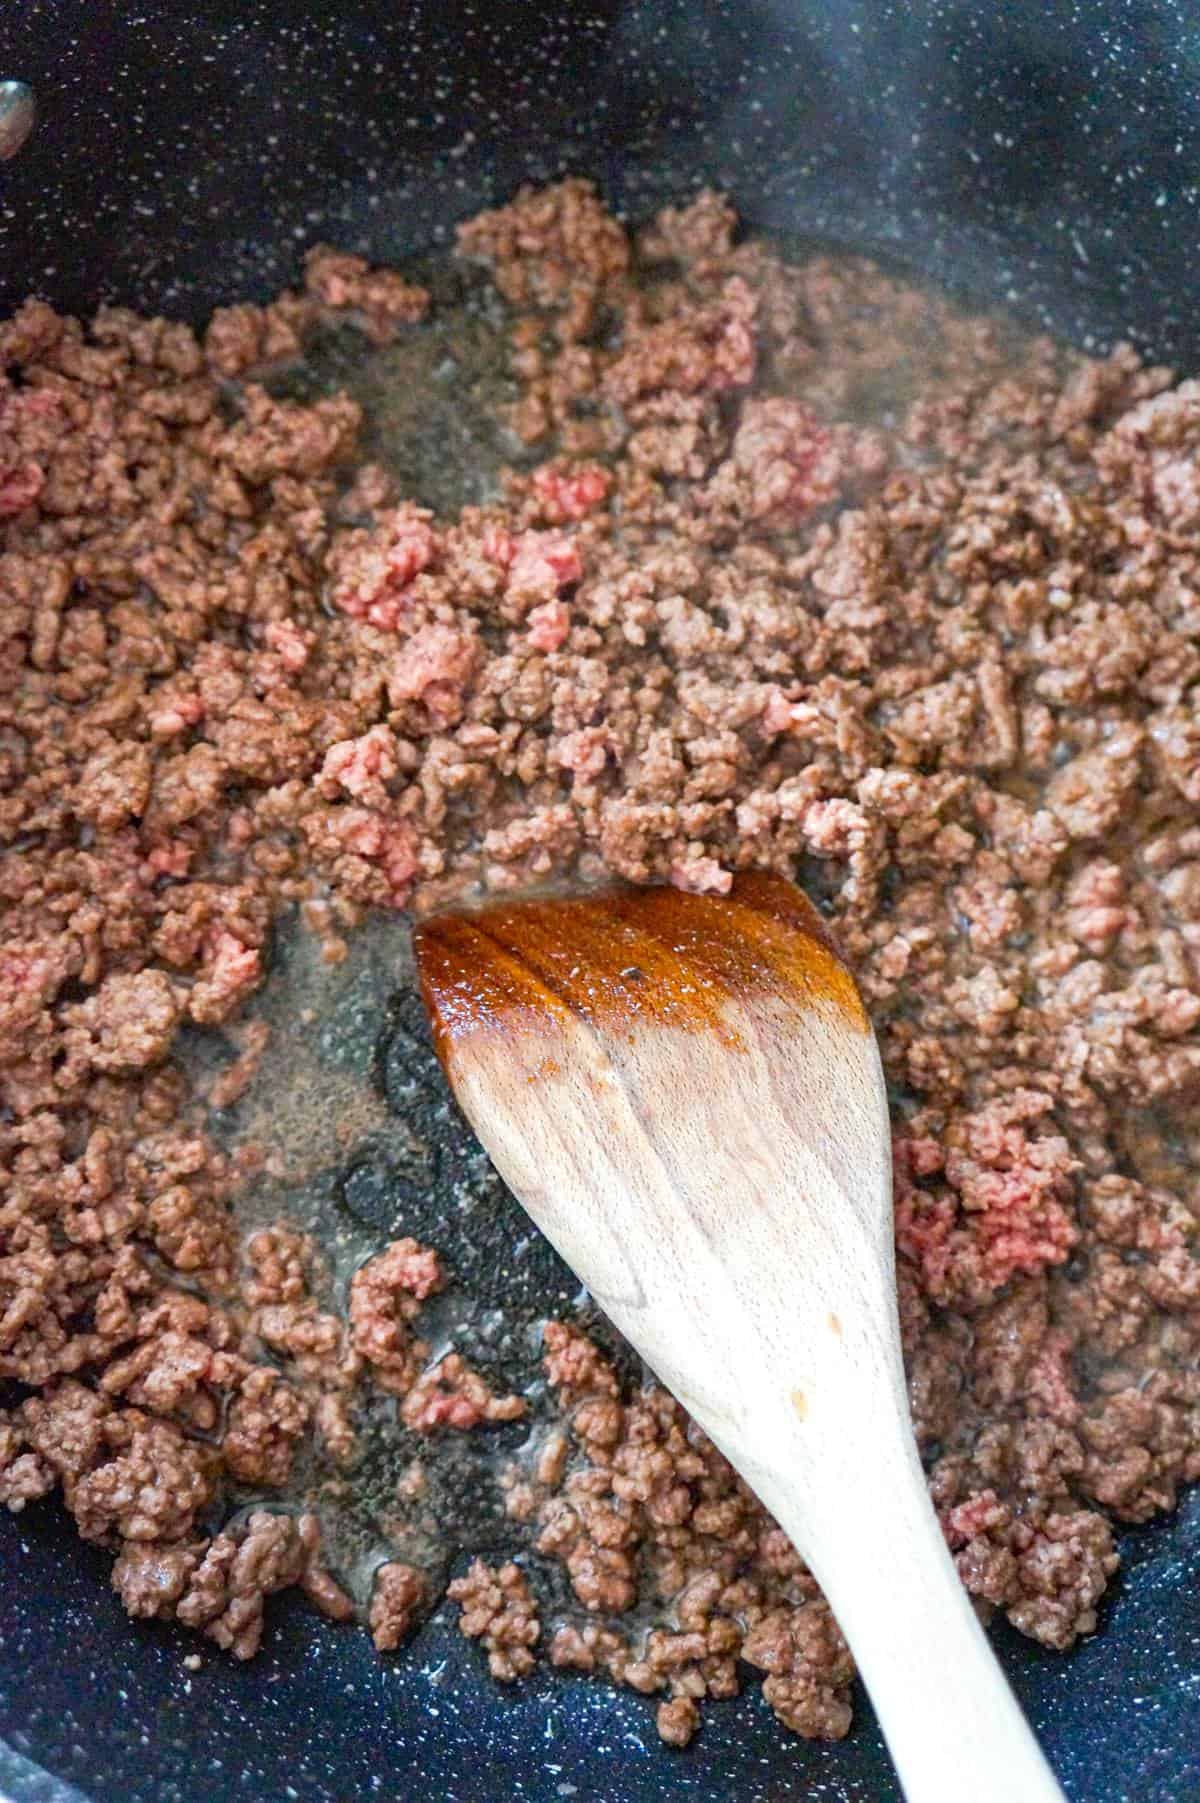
x: 643, y: 957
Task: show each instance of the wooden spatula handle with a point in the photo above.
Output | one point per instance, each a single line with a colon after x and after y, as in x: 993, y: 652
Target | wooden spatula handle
x: 950, y: 1720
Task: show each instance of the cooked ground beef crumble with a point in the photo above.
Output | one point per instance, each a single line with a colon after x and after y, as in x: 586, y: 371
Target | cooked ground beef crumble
x: 797, y: 567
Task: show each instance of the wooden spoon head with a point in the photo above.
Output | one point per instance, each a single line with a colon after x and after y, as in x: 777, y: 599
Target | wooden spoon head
x: 645, y: 1066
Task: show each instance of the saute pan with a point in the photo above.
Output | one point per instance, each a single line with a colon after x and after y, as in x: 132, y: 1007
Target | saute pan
x: 1041, y: 154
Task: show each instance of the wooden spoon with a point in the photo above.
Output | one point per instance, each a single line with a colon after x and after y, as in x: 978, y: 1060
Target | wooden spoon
x: 685, y: 1093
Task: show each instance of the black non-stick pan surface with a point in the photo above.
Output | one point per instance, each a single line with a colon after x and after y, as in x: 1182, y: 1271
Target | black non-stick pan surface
x: 1037, y: 153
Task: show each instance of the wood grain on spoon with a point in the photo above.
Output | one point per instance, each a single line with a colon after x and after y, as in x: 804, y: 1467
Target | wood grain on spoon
x: 685, y: 1093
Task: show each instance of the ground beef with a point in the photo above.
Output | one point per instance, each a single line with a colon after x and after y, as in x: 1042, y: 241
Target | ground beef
x: 385, y: 1297
x: 139, y: 1478
x: 498, y: 1608
x: 677, y: 1721
x: 265, y: 1420
x: 810, y: 571
x: 24, y: 1475
x: 285, y: 1317
x: 396, y: 1599
x: 130, y: 1021
x: 380, y: 298
x: 236, y: 1078
x: 450, y: 1394
x: 809, y: 1668
x: 223, y: 1594
x: 150, y: 1580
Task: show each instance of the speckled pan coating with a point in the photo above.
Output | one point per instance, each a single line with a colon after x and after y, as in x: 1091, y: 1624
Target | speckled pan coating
x: 1044, y: 154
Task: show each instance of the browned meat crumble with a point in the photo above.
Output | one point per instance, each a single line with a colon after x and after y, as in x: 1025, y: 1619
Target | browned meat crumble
x: 396, y: 1599
x: 498, y: 1609
x: 944, y: 667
